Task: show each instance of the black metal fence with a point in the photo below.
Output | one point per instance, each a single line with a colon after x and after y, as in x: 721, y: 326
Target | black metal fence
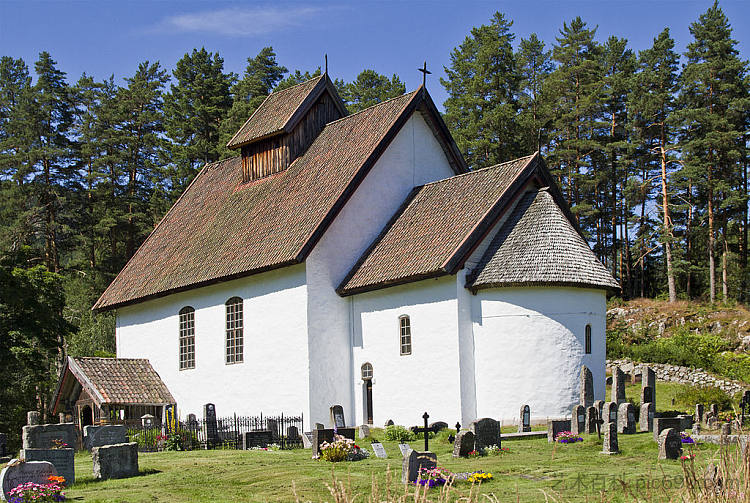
x: 233, y: 432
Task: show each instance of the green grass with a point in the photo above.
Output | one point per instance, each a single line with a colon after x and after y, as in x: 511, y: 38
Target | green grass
x: 665, y: 392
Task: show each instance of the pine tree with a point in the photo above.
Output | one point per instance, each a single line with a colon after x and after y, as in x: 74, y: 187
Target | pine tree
x: 298, y: 78
x: 534, y: 66
x: 370, y: 88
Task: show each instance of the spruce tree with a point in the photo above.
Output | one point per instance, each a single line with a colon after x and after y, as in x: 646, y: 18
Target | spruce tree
x: 370, y: 88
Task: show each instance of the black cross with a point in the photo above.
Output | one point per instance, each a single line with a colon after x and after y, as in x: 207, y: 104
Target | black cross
x: 425, y: 73
x: 426, y: 430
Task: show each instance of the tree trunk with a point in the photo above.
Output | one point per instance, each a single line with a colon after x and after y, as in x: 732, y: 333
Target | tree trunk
x: 711, y: 257
x: 667, y: 223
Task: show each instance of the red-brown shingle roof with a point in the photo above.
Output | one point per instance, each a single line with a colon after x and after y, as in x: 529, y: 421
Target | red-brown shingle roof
x: 434, y: 224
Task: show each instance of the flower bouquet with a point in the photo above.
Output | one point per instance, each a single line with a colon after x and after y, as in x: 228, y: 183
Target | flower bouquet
x: 494, y: 450
x: 433, y: 477
x: 686, y: 439
x: 38, y: 493
x: 567, y: 437
x: 479, y: 477
x: 342, y: 449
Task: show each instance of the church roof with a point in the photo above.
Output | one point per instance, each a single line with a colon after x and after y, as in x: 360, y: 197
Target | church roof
x: 436, y: 226
x: 281, y: 110
x: 221, y: 229
x: 538, y: 245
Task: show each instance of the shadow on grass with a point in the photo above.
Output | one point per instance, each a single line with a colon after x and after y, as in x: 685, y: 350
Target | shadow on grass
x: 91, y: 481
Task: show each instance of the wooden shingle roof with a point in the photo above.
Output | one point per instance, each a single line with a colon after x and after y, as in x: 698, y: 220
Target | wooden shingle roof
x: 537, y: 245
x: 437, y: 225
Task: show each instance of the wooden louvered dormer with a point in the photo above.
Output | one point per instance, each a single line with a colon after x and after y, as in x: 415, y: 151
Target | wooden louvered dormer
x: 285, y: 125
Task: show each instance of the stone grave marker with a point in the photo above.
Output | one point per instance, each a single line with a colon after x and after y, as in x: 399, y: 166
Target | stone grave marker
x: 592, y: 418
x: 62, y: 459
x: 337, y: 416
x: 586, y: 387
x: 97, y: 436
x: 212, y: 429
x: 610, y: 445
x: 437, y: 426
x: 32, y: 418
x: 464, y: 444
x: 714, y: 409
x: 257, y: 438
x: 47, y: 436
x: 17, y: 472
x: 726, y: 429
x: 117, y: 461
x: 273, y: 426
x: 379, y: 450
x: 61, y: 417
x: 389, y: 422
x: 648, y: 385
x: 609, y: 412
x: 711, y: 421
x: 3, y: 445
x: 486, y: 432
x: 699, y: 412
x: 524, y: 419
x: 626, y: 419
x: 663, y: 423
x: 618, y: 386
x: 670, y: 444
x: 404, y: 448
x: 599, y: 404
x: 319, y: 426
x: 326, y: 435
x: 646, y: 418
x: 555, y: 426
x: 192, y: 419
x: 414, y: 461
x: 292, y: 433
x: 686, y: 421
x: 696, y: 428
x: 578, y: 420
x: 364, y: 431
x: 307, y: 439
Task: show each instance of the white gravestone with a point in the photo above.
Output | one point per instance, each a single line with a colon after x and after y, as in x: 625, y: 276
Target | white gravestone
x: 404, y: 448
x: 379, y: 450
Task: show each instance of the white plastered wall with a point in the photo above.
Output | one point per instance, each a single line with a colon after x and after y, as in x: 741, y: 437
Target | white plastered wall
x: 406, y: 386
x: 274, y: 375
x: 413, y: 158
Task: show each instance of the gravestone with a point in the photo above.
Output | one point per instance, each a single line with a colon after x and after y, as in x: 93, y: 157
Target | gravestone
x: 714, y: 410
x: 698, y: 412
x: 404, y: 448
x: 117, y: 461
x: 389, y: 422
x: 437, y: 426
x: 379, y: 450
x: 555, y: 426
x: 61, y: 418
x: 663, y: 423
x: 586, y: 387
x: 599, y: 404
x: 3, y: 445
x: 618, y: 386
x: 626, y: 418
x: 609, y: 412
x: 307, y: 440
x: 726, y: 429
x: 212, y: 429
x: 646, y: 419
x: 273, y: 426
x: 686, y: 421
x: 648, y: 385
x: 415, y: 461
x: 326, y: 435
x: 257, y: 438
x: 711, y: 421
x: 524, y: 420
x: 463, y: 444
x: 670, y: 444
x: 486, y: 432
x: 292, y: 434
x: 337, y: 416
x: 592, y: 419
x: 578, y: 420
x: 148, y: 421
x: 696, y: 428
x: 32, y: 418
x: 364, y: 431
x: 62, y: 459
x: 610, y: 445
x: 319, y: 426
x: 17, y: 472
x: 191, y: 419
x: 47, y: 436
x: 97, y: 436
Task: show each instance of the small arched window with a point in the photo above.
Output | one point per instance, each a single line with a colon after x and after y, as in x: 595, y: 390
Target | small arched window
x: 234, y: 339
x: 367, y: 372
x: 187, y: 338
x: 405, y: 334
x: 588, y: 340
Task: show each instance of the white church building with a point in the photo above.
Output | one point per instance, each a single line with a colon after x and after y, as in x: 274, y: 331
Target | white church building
x: 353, y: 259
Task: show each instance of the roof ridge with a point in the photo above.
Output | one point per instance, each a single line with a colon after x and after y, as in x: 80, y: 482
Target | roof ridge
x: 371, y: 107
x: 480, y: 170
x: 297, y: 85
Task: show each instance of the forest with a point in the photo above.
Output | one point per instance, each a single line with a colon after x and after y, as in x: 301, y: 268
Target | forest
x: 648, y: 147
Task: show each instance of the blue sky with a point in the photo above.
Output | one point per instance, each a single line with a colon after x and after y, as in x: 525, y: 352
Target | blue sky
x: 104, y: 37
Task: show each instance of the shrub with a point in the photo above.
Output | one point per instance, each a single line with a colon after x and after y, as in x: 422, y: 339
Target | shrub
x: 688, y: 396
x: 397, y: 433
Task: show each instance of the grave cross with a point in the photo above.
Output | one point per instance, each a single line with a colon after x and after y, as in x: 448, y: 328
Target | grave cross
x: 426, y: 430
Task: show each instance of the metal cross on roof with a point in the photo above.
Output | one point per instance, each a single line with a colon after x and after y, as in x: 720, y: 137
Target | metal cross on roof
x: 426, y: 430
x: 425, y: 73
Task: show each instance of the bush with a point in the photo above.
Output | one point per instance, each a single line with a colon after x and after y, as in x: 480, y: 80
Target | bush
x: 688, y: 396
x: 397, y: 433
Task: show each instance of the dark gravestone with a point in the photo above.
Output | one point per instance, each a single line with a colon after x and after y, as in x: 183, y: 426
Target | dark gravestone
x: 618, y: 386
x: 463, y: 444
x: 415, y: 461
x: 273, y: 426
x: 686, y: 421
x: 486, y: 432
x: 670, y: 444
x: 647, y: 417
x: 47, y: 436
x: 117, y: 461
x: 259, y: 438
x: 578, y: 420
x: 212, y: 430
x: 610, y: 445
x: 379, y: 450
x: 438, y: 426
x: 698, y: 412
x: 663, y: 423
x: 726, y: 429
x: 3, y: 445
x: 292, y: 433
x: 97, y: 436
x: 524, y: 420
x: 16, y: 473
x: 592, y: 419
x: 63, y: 459
x: 555, y: 426
x: 319, y: 426
x: 337, y: 416
x: 609, y: 412
x: 599, y: 404
x: 586, y: 387
x: 648, y: 385
x: 326, y: 435
x: 714, y: 409
x: 626, y: 419
x: 389, y: 422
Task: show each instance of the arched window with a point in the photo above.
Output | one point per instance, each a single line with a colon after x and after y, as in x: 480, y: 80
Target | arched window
x: 588, y: 339
x: 234, y: 351
x: 405, y: 334
x: 187, y: 338
x: 367, y: 372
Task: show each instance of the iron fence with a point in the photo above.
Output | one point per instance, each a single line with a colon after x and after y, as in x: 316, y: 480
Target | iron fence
x: 231, y: 432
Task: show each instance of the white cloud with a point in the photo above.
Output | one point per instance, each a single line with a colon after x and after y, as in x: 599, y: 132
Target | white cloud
x: 240, y: 21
